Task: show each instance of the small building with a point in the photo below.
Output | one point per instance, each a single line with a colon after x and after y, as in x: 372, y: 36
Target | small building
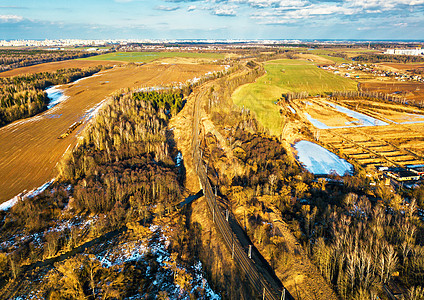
x: 401, y: 174
x: 419, y: 170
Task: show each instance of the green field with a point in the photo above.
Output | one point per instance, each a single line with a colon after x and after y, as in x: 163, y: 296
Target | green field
x: 284, y: 76
x: 150, y: 56
x: 336, y: 59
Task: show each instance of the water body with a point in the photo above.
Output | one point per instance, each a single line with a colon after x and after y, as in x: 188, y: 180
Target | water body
x: 363, y: 120
x: 319, y: 160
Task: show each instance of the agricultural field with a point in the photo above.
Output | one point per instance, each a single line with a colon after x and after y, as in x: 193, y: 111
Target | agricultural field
x: 371, y: 133
x: 286, y: 76
x: 144, y: 57
x: 31, y: 148
x: 54, y: 66
x: 412, y: 91
x: 403, y: 67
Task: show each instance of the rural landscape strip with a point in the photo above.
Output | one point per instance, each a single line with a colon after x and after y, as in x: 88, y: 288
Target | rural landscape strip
x: 266, y: 284
x: 118, y: 219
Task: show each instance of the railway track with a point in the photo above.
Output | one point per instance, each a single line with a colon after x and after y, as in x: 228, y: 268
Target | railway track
x: 265, y: 284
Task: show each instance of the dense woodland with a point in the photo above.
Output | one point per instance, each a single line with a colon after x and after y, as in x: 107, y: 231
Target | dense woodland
x: 13, y: 58
x: 376, y: 58
x: 117, y: 180
x: 24, y: 96
x: 361, y: 238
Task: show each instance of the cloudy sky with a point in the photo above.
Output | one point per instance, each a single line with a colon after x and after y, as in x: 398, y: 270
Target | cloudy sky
x: 214, y: 19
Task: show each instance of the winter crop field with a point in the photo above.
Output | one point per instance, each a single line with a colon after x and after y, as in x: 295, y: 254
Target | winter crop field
x: 282, y: 76
x: 150, y: 56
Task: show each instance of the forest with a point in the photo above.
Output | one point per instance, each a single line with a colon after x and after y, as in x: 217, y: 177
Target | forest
x: 23, y: 96
x: 361, y: 238
x: 376, y: 58
x: 111, y: 186
x: 14, y: 58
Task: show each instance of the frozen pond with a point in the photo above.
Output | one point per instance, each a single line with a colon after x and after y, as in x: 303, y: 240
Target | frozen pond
x: 319, y: 160
x: 316, y: 123
x: 363, y: 120
x: 55, y: 95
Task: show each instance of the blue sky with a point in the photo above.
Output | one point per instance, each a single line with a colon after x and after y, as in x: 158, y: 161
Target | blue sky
x: 213, y: 19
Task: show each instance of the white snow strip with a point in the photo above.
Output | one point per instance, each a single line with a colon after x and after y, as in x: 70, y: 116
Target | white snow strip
x: 316, y: 123
x: 319, y: 160
x: 55, y: 95
x: 89, y: 114
x: 291, y: 109
x: 79, y: 80
x: 8, y: 204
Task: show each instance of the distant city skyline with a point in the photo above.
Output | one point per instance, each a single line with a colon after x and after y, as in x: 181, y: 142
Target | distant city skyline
x: 212, y: 19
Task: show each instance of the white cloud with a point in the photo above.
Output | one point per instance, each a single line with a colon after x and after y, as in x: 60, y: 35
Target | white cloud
x: 225, y: 10
x: 10, y: 18
x: 191, y: 8
x: 167, y: 8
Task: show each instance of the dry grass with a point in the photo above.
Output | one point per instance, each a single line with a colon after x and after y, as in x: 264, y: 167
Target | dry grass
x: 30, y: 148
x: 316, y: 59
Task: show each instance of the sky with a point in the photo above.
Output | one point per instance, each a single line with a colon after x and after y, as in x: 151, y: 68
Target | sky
x: 212, y: 19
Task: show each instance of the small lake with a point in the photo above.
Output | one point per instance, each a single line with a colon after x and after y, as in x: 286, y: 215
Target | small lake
x: 320, y: 161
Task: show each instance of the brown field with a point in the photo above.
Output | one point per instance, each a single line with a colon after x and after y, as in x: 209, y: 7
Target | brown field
x: 402, y: 67
x: 54, y: 66
x: 413, y: 91
x: 30, y: 148
x: 318, y: 60
x: 378, y: 146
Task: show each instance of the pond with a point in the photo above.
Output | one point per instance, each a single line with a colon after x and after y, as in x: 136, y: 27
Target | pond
x: 320, y: 161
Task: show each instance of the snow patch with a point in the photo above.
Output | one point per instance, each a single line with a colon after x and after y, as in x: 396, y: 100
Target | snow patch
x: 291, y: 109
x: 319, y: 160
x: 55, y: 95
x: 8, y: 204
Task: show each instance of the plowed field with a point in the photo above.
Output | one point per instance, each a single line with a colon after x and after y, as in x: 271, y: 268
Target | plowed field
x: 30, y: 148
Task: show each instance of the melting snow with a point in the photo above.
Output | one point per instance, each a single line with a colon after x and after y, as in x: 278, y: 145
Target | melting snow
x: 291, y: 109
x: 55, y: 95
x: 8, y: 204
x: 319, y: 160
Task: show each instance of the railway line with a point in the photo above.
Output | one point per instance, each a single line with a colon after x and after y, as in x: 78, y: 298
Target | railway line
x: 265, y: 283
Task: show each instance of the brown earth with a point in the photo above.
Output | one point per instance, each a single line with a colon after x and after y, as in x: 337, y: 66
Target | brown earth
x: 54, y: 66
x: 316, y: 59
x: 30, y: 148
x: 396, y: 144
x: 413, y: 91
x: 402, y: 67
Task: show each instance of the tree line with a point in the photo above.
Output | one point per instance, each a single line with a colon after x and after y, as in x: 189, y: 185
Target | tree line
x: 376, y: 58
x: 24, y: 96
x: 122, y: 171
x: 14, y: 58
